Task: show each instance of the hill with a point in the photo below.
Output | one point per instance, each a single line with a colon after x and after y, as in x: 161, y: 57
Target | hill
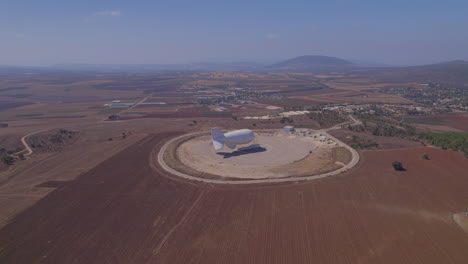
x: 149, y: 68
x: 451, y: 72
x: 313, y: 62
x: 455, y: 65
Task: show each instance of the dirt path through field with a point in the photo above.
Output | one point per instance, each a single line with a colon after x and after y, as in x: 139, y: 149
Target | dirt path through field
x: 25, y: 144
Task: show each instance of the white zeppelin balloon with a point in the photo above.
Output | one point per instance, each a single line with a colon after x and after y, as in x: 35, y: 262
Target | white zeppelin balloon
x: 231, y: 139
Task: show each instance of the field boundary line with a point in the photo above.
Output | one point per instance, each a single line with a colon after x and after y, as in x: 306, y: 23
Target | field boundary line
x: 182, y: 220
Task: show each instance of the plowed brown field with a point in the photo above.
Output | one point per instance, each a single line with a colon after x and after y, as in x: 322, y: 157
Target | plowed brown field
x: 122, y: 211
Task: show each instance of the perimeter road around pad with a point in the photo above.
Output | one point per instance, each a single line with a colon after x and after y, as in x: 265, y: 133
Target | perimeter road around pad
x: 160, y: 159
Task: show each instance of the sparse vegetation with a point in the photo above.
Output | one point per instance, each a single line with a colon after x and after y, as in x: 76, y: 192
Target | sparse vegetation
x: 113, y: 117
x: 383, y: 126
x: 327, y: 118
x: 53, y: 141
x: 362, y: 143
x: 425, y: 156
x: 398, y: 166
x: 60, y: 136
x: 286, y: 119
x: 341, y: 154
x: 7, y: 159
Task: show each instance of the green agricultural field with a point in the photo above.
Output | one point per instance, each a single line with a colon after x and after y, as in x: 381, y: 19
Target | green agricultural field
x: 415, y: 120
x: 454, y: 141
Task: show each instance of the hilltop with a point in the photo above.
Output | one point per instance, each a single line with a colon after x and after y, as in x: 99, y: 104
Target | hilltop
x: 451, y: 72
x: 312, y: 62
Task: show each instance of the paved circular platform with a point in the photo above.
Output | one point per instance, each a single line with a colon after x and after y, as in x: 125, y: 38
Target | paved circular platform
x: 272, y: 150
x: 277, y: 155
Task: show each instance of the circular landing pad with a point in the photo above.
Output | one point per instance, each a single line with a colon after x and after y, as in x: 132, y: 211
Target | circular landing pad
x: 277, y: 155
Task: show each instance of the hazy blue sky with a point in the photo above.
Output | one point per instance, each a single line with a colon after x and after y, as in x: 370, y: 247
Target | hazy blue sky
x: 44, y: 32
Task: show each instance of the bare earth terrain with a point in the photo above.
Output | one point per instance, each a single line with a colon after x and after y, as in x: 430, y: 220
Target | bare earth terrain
x: 82, y: 181
x: 461, y: 219
x: 279, y: 153
x: 117, y: 213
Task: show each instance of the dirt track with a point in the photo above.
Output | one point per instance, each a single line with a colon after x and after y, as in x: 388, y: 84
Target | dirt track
x: 25, y: 144
x: 124, y: 212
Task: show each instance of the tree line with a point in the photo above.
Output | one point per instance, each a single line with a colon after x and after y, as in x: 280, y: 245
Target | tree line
x: 453, y: 141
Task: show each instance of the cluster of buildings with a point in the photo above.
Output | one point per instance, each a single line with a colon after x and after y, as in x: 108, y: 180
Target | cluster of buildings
x: 308, y: 133
x: 386, y: 108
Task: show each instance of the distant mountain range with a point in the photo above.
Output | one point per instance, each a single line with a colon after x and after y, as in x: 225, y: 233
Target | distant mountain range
x: 443, y: 66
x: 146, y: 68
x: 309, y: 63
x: 453, y: 72
x: 312, y: 62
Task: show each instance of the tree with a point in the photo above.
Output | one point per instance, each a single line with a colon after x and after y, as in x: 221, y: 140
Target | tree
x: 425, y: 156
x: 398, y: 166
x: 113, y: 117
x: 7, y: 159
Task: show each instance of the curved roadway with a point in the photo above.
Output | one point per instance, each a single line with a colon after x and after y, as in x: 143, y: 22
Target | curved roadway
x: 25, y: 144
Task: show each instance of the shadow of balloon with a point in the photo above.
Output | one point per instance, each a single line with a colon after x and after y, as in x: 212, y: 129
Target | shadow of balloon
x: 241, y: 152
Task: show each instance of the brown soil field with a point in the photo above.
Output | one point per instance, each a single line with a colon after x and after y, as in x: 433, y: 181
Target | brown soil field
x: 174, y: 112
x: 352, y: 97
x: 9, y: 141
x: 9, y: 104
x: 124, y: 211
x: 457, y: 121
x: 181, y: 114
x: 268, y: 102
